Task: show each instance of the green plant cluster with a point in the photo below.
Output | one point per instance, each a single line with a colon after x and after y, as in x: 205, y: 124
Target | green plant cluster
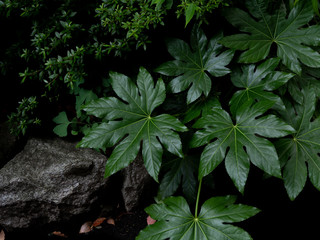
x: 24, y: 117
x: 263, y: 108
x: 128, y: 21
x: 246, y: 97
x: 62, y: 38
x: 199, y: 8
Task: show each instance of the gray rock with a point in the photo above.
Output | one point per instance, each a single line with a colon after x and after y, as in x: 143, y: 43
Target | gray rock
x: 8, y: 143
x: 49, y: 181
x: 136, y: 181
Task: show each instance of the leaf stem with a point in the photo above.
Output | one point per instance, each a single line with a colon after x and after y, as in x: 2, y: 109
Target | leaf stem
x: 198, y: 197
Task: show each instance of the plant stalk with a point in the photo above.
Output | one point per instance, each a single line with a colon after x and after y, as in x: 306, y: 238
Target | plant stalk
x: 198, y: 197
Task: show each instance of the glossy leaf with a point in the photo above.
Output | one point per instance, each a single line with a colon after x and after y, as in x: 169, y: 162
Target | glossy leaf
x: 263, y: 30
x: 200, y: 107
x: 175, y: 220
x: 300, y: 153
x: 192, y: 65
x: 84, y: 97
x: 129, y: 122
x: 181, y: 171
x: 315, y: 5
x: 241, y: 139
x: 309, y: 77
x: 257, y: 83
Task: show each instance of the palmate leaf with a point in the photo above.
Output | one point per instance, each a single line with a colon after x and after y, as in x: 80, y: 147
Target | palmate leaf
x: 291, y: 40
x: 175, y: 220
x: 309, y: 77
x: 200, y: 107
x: 84, y: 97
x: 192, y: 66
x: 131, y: 123
x: 258, y: 82
x: 241, y: 139
x: 299, y: 154
x: 181, y: 171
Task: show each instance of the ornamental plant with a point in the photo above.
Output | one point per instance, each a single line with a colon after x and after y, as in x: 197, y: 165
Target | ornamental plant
x: 262, y: 124
x: 240, y: 97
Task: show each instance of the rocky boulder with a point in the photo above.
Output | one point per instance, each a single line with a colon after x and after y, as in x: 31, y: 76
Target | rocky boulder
x: 136, y: 184
x: 8, y: 143
x: 49, y: 181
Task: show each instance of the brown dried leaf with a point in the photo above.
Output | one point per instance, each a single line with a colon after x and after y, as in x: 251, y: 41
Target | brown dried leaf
x: 86, y: 227
x: 2, y: 235
x: 111, y: 221
x: 56, y: 233
x: 98, y: 222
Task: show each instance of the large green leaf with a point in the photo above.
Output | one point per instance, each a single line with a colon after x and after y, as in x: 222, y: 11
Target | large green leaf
x: 129, y: 122
x: 84, y: 97
x: 200, y: 107
x: 300, y: 153
x: 241, y: 139
x: 309, y: 77
x: 286, y: 33
x: 181, y: 171
x: 257, y: 82
x: 192, y: 66
x: 175, y: 220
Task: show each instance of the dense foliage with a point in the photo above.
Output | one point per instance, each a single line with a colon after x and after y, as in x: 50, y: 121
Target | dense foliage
x: 244, y: 93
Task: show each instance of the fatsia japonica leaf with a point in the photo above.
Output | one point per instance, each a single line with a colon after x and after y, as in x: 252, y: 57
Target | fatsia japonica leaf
x: 84, y: 97
x: 309, y: 77
x: 175, y: 220
x: 181, y: 171
x: 300, y: 153
x: 262, y: 30
x: 192, y: 65
x: 257, y: 83
x: 130, y: 122
x: 200, y: 107
x: 240, y: 139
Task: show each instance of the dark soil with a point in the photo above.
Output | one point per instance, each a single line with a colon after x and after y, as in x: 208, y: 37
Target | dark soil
x: 127, y: 227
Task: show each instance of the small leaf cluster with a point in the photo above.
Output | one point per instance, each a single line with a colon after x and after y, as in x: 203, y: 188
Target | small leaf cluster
x: 24, y: 117
x: 127, y: 22
x: 46, y: 57
x: 62, y: 37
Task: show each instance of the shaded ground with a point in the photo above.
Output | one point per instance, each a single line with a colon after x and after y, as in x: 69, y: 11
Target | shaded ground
x: 127, y: 227
x: 279, y: 219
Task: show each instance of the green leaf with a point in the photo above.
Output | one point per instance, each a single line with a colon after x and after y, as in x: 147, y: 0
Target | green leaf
x: 192, y: 64
x: 286, y: 33
x: 315, y: 5
x: 62, y: 128
x: 309, y: 77
x: 129, y: 122
x: 84, y: 97
x: 181, y: 171
x: 300, y: 153
x: 175, y: 220
x: 257, y: 83
x: 167, y: 5
x: 190, y: 10
x: 200, y: 107
x: 241, y: 139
